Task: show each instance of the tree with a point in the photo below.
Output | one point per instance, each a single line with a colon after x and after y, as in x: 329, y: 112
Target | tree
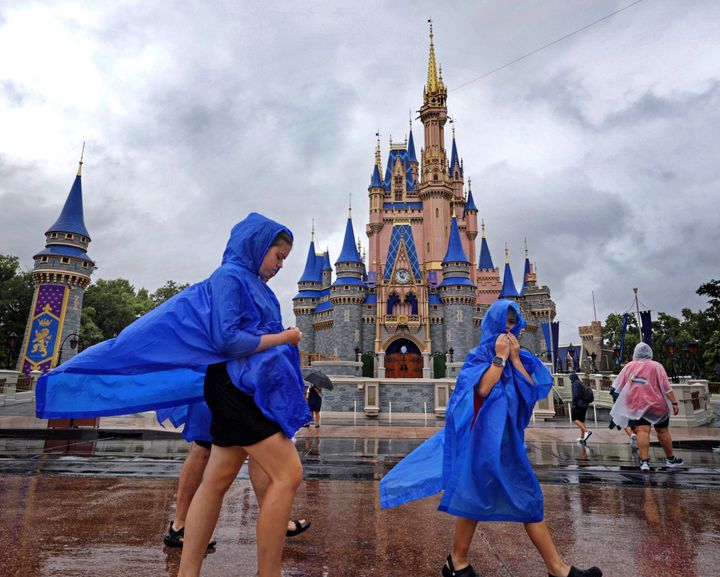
x: 16, y: 293
x: 167, y: 291
x: 114, y: 306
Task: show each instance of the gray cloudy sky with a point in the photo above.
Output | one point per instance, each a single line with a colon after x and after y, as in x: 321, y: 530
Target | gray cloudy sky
x: 602, y: 149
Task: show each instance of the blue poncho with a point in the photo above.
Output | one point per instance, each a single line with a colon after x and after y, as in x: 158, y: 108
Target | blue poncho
x: 483, y: 469
x: 159, y: 361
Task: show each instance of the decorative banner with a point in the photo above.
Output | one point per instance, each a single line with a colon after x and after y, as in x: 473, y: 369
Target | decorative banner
x: 646, y: 320
x: 45, y: 328
x: 555, y: 331
x: 548, y: 339
x: 622, y: 339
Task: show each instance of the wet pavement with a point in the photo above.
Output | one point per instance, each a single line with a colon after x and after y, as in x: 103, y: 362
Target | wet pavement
x: 97, y: 501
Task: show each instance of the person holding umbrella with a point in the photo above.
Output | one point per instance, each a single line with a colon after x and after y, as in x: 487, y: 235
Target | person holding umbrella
x: 317, y: 382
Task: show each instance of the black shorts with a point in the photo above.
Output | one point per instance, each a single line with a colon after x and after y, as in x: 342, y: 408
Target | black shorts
x: 664, y: 424
x: 203, y: 444
x: 578, y: 414
x: 236, y: 420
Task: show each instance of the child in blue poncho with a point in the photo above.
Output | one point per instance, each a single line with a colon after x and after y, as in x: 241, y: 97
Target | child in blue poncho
x: 479, y: 459
x: 221, y: 340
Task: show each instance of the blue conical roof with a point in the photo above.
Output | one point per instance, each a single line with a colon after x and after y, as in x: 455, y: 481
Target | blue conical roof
x: 326, y: 261
x: 310, y: 272
x: 508, y: 288
x: 411, y: 148
x: 454, y: 158
x: 455, y: 252
x: 486, y: 262
x: 349, y: 250
x: 470, y: 203
x: 525, y: 275
x: 376, y: 181
x: 71, y: 217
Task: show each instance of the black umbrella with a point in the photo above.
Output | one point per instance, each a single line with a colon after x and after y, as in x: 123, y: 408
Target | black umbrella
x: 320, y: 380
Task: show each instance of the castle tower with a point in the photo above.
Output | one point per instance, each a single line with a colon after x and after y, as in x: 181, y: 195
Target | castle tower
x: 307, y: 298
x: 61, y: 274
x: 471, y: 230
x: 435, y: 190
x: 457, y: 294
x: 537, y: 306
x: 488, y: 276
x: 347, y: 293
x: 508, y: 287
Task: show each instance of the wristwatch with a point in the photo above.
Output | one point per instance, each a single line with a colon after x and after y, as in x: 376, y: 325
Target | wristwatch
x: 498, y: 362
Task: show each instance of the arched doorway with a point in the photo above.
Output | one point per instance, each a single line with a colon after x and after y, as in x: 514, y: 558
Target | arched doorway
x: 403, y: 360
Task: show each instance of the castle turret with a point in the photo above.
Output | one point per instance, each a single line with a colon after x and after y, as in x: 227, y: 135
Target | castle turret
x: 508, y: 287
x: 347, y: 293
x: 471, y: 229
x: 457, y: 294
x: 487, y: 275
x: 306, y: 300
x: 61, y: 274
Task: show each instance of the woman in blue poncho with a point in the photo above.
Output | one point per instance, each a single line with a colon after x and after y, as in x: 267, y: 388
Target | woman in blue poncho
x: 221, y: 340
x: 479, y: 460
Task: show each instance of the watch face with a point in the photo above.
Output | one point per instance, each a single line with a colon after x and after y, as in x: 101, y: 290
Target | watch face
x: 402, y: 275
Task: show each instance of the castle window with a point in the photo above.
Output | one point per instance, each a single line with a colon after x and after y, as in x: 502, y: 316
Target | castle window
x: 435, y: 176
x: 437, y: 213
x: 428, y: 247
x: 43, y: 259
x: 65, y: 260
x: 85, y: 265
x: 398, y: 195
x: 68, y: 236
x: 53, y: 235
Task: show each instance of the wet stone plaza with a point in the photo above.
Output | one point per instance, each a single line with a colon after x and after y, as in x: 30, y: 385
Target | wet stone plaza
x: 91, y: 502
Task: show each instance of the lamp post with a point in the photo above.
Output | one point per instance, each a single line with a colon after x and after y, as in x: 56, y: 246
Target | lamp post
x: 74, y: 340
x: 451, y: 352
x: 671, y: 348
x: 593, y: 366
x: 357, y: 354
x: 10, y: 343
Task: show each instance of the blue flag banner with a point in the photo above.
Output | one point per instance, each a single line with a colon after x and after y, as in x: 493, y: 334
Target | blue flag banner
x: 646, y: 320
x: 622, y: 338
x: 548, y: 339
x: 555, y: 331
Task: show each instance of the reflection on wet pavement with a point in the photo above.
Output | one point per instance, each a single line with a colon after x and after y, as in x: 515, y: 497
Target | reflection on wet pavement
x: 88, y: 526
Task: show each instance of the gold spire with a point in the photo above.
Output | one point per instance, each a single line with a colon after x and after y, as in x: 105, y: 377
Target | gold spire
x: 350, y: 206
x: 410, y: 121
x: 482, y: 220
x: 312, y: 231
x: 507, y: 255
x: 359, y: 246
x: 82, y: 154
x: 432, y: 80
x: 469, y: 184
x: 378, y: 158
x: 526, y: 249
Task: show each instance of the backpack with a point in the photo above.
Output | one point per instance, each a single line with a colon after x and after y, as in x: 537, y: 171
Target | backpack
x: 587, y: 394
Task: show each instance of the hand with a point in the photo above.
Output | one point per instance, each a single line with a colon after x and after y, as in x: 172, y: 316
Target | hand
x: 292, y: 335
x: 502, y: 346
x: 676, y: 409
x: 514, y: 347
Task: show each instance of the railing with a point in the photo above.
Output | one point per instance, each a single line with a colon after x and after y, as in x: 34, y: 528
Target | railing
x: 24, y: 383
x: 307, y: 359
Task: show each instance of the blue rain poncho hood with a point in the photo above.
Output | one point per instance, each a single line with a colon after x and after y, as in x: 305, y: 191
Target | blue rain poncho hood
x: 160, y: 360
x: 481, y: 464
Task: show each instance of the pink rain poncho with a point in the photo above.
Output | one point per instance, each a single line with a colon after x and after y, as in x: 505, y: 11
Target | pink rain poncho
x: 643, y: 386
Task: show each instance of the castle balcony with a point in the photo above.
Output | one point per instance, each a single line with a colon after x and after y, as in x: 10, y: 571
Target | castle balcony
x: 410, y: 322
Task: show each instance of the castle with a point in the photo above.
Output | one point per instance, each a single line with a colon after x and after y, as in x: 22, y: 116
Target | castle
x: 418, y: 293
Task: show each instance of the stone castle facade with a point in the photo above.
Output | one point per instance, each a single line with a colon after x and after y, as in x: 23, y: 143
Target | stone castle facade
x: 421, y: 290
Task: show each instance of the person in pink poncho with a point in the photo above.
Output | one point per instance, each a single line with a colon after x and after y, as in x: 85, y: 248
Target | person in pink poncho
x: 646, y: 397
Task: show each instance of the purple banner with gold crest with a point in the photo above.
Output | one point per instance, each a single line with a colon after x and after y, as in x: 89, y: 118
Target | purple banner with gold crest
x: 45, y: 328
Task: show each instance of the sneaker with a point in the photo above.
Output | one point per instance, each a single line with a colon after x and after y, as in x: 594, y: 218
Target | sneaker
x: 633, y: 442
x: 579, y: 440
x: 586, y: 436
x: 645, y: 466
x: 674, y: 462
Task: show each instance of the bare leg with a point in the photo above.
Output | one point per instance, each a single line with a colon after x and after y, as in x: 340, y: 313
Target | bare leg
x: 278, y: 457
x: 221, y: 471
x: 643, y: 441
x: 190, y: 478
x: 540, y: 537
x: 581, y: 426
x: 665, y: 439
x: 464, y: 532
x: 316, y: 416
x: 260, y: 481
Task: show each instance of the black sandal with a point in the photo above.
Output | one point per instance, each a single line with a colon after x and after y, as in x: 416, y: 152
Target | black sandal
x: 175, y: 538
x: 575, y: 572
x: 448, y: 570
x: 300, y: 527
